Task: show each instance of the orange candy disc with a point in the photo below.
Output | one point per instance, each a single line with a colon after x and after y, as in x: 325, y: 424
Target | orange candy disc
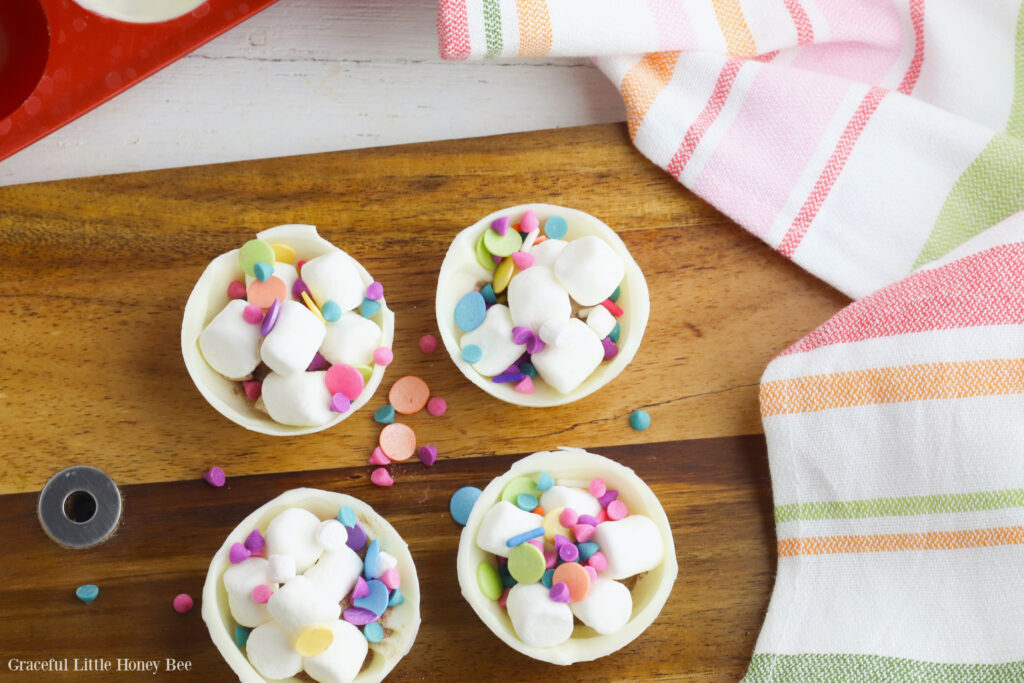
x: 408, y: 395
x: 399, y: 442
x: 575, y: 577
x: 262, y: 294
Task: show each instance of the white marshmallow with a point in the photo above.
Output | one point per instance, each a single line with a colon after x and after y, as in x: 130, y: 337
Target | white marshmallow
x: 342, y: 660
x: 281, y: 569
x: 293, y: 532
x: 333, y: 277
x: 502, y: 522
x: 555, y: 331
x: 546, y: 253
x: 600, y: 321
x: 631, y: 545
x: 565, y: 365
x: 385, y: 562
x: 351, y: 339
x: 580, y: 500
x: 301, y: 603
x: 300, y: 400
x: 589, y: 270
x: 538, y: 620
x: 335, y: 573
x: 239, y: 580
x: 272, y: 652
x: 230, y: 345
x: 291, y: 345
x: 606, y: 608
x: 331, y: 535
x: 284, y: 271
x: 494, y: 337
x: 534, y: 297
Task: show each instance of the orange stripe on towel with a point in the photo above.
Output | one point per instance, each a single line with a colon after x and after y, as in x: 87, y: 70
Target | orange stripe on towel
x: 534, y: 28
x: 738, y: 38
x: 643, y: 83
x: 885, y: 543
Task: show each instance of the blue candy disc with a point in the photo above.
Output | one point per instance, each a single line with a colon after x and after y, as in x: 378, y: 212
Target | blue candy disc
x: 462, y: 503
x: 471, y: 353
x: 470, y: 311
x: 369, y: 308
x: 556, y: 227
x: 377, y: 600
x: 372, y: 560
x: 524, y: 501
x: 347, y: 516
x: 373, y: 632
x: 331, y: 311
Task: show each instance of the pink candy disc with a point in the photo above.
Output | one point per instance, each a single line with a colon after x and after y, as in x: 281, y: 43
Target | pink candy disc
x: 568, y: 518
x: 597, y: 487
x: 428, y: 455
x: 344, y: 379
x: 215, y: 477
x: 252, y: 314
x: 583, y: 532
x: 383, y: 356
x: 378, y: 457
x: 318, y: 363
x: 523, y: 260
x: 236, y: 290
x: 525, y: 386
x: 550, y: 559
x: 270, y: 319
x: 437, y: 406
x: 361, y: 589
x: 591, y: 572
x: 261, y: 594
x: 392, y: 579
x: 358, y: 616
x: 616, y: 510
x: 529, y: 223
x: 340, y: 403
x: 380, y: 477
x: 238, y: 553
x: 598, y: 561
x: 182, y: 603
x: 375, y: 291
x: 253, y: 389
x: 428, y: 343
x: 559, y: 592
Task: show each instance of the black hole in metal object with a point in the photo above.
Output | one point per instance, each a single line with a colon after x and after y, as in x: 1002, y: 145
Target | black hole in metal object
x: 80, y: 507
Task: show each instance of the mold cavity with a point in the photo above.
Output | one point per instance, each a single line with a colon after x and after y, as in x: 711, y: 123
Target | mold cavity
x: 80, y: 506
x: 24, y: 48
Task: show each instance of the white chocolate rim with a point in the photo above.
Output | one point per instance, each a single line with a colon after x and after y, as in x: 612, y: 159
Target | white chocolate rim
x: 146, y: 12
x: 460, y: 272
x: 649, y: 594
x: 403, y: 620
x: 210, y: 295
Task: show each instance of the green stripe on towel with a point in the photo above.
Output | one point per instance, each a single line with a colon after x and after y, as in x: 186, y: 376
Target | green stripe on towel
x: 901, y: 507
x: 836, y: 668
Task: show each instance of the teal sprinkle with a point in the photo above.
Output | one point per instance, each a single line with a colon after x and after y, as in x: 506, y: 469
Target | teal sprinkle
x: 615, y: 295
x: 242, y: 635
x: 369, y: 308
x: 87, y: 593
x: 615, y: 333
x: 527, y: 369
x: 639, y: 420
x: 373, y: 632
x: 384, y: 415
x: 487, y: 291
x: 587, y: 550
x: 506, y: 577
x: 262, y: 271
x: 545, y: 480
x: 396, y: 598
x: 546, y: 579
x: 347, y: 516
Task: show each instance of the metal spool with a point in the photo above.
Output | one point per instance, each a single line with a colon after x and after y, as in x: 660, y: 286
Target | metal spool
x: 80, y: 507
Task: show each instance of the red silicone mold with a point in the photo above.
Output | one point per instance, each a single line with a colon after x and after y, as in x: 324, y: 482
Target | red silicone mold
x: 58, y: 60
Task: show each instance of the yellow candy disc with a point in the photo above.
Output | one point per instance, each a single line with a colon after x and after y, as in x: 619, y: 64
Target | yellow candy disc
x: 553, y: 526
x: 313, y: 640
x: 308, y: 300
x: 503, y: 275
x: 284, y: 253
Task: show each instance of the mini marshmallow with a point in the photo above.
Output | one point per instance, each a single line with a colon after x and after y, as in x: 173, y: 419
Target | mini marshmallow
x: 534, y: 296
x: 230, y: 345
x: 538, y: 620
x: 291, y: 345
x: 343, y: 659
x: 555, y: 332
x: 385, y: 561
x: 352, y: 339
x: 600, y: 321
x: 578, y: 499
x: 335, y: 573
x: 334, y: 277
x: 301, y: 400
x: 272, y: 652
x: 301, y: 603
x: 589, y: 270
x: 565, y: 365
x: 494, y: 337
x: 502, y: 522
x: 281, y: 568
x: 546, y: 253
x: 284, y: 271
x: 239, y: 580
x: 331, y: 535
x: 606, y: 608
x: 631, y: 546
x: 293, y: 532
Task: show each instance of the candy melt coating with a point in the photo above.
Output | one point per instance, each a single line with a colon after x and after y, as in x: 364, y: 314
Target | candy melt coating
x: 236, y: 290
x: 369, y: 308
x: 503, y: 275
x: 408, y: 395
x: 330, y: 311
x: 639, y: 420
x: 398, y: 441
x: 347, y: 516
x: 470, y: 311
x: 215, y: 477
x: 356, y: 538
x: 253, y: 252
x: 383, y: 356
x: 376, y: 600
x: 553, y: 525
x: 573, y: 575
x: 301, y: 400
x: 502, y: 245
x: 606, y: 608
x: 526, y: 563
x: 263, y: 293
x: 253, y: 314
x: 373, y: 632
x: 293, y: 532
x: 483, y: 256
x: 384, y: 415
x: 428, y: 343
x: 271, y: 652
x: 427, y: 454
x: 518, y: 486
x: 313, y: 640
x: 537, y: 620
x: 262, y: 271
x: 556, y: 227
x: 471, y: 353
x: 489, y: 581
x: 342, y: 659
x: 437, y: 406
x: 381, y: 477
x: 359, y: 616
x: 229, y: 344
x: 375, y: 291
x: 462, y: 503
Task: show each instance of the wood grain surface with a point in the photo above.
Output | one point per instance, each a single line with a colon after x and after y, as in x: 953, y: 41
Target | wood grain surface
x: 96, y: 273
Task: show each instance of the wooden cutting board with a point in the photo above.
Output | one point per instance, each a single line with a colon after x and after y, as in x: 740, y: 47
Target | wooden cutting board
x: 96, y: 274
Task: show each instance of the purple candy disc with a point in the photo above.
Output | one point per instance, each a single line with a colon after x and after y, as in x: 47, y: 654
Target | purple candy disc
x: 521, y: 335
x: 270, y: 319
x: 587, y: 519
x: 559, y: 593
x: 360, y: 617
x: 515, y: 377
x: 356, y: 538
x: 609, y: 496
x: 535, y: 344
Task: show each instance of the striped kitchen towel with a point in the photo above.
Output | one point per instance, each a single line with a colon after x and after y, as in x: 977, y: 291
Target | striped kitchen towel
x: 880, y: 145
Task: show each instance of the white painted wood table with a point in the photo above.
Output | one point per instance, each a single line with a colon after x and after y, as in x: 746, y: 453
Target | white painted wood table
x: 309, y: 76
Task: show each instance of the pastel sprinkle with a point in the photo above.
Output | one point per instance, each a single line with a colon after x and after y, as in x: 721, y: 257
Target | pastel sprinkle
x: 255, y: 541
x: 262, y: 271
x: 357, y: 616
x: 523, y: 260
x: 583, y: 532
x: 529, y: 222
x: 470, y: 311
x: 611, y: 349
x: 252, y: 314
x: 550, y: 559
x: 361, y: 589
x: 521, y: 335
x: 526, y: 502
x: 598, y: 561
x: 507, y: 580
x: 236, y: 290
x: 298, y: 266
x: 615, y: 333
x: 437, y: 406
x: 428, y: 343
x: 347, y: 516
x: 383, y: 356
x: 318, y: 363
x: 369, y: 308
x: 373, y: 632
x: 380, y: 477
x: 616, y: 294
x: 261, y: 594
x: 374, y: 291
x: 587, y: 550
x: 340, y: 403
x: 396, y: 598
x: 262, y: 294
x: 587, y: 519
x: 299, y: 288
x: 356, y: 538
x: 597, y: 487
x: 602, y: 517
x: 462, y: 503
x: 568, y: 552
x: 487, y: 292
x: 511, y: 377
x: 270, y: 319
x: 568, y: 517
x: 559, y: 592
x: 500, y: 225
x: 471, y: 353
x: 372, y: 559
x: 556, y: 227
x: 331, y: 311
x: 503, y: 600
x: 428, y: 455
x: 545, y: 481
x: 489, y: 581
x: 238, y: 553
x: 607, y: 497
x: 639, y: 420
x: 384, y: 415
x: 215, y: 476
x: 87, y: 593
x: 546, y: 578
x: 591, y: 572
x: 391, y: 578
x: 612, y: 307
x: 524, y: 537
x: 616, y: 510
x: 242, y: 635
x: 378, y: 457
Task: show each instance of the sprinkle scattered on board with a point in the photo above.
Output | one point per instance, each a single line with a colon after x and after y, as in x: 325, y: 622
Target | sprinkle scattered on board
x: 639, y: 420
x: 462, y: 503
x: 409, y: 395
x: 215, y: 477
x: 182, y: 603
x: 87, y: 593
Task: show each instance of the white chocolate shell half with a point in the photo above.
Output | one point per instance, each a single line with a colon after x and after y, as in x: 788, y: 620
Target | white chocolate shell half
x: 210, y: 295
x: 461, y: 272
x: 401, y: 623
x: 649, y: 593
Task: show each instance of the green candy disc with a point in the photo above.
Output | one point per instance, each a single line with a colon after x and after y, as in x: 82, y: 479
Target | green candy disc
x: 502, y: 245
x: 484, y: 256
x: 526, y: 563
x: 490, y: 582
x: 517, y: 486
x: 253, y: 252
